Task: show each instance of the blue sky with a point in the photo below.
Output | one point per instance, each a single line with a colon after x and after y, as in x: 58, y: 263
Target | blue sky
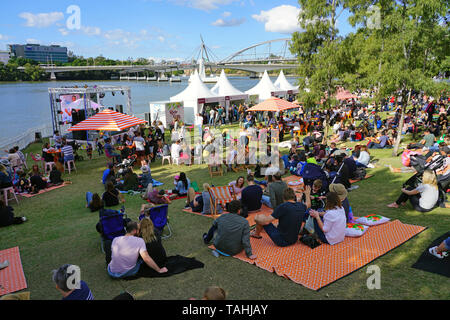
x: 151, y: 28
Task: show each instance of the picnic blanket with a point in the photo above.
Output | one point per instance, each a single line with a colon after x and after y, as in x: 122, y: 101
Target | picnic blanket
x: 319, y: 267
x: 29, y: 195
x: 366, y: 177
x: 428, y: 262
x: 12, y: 278
x: 251, y: 215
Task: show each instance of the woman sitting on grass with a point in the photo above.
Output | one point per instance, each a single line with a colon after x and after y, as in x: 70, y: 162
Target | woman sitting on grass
x: 111, y: 197
x: 37, y: 183
x: 329, y: 226
x: 152, y: 238
x: 7, y: 216
x: 5, y: 179
x: 238, y: 186
x: 94, y: 202
x: 200, y: 203
x: 182, y: 185
x: 55, y: 177
x: 156, y: 196
x: 423, y: 198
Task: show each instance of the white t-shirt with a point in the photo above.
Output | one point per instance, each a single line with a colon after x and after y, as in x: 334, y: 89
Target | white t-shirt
x: 139, y: 142
x: 198, y: 120
x: 334, y: 224
x: 125, y: 252
x: 429, y: 196
x: 176, y: 148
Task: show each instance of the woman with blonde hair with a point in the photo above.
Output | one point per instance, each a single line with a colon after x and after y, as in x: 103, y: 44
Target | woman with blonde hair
x: 152, y: 239
x: 423, y: 198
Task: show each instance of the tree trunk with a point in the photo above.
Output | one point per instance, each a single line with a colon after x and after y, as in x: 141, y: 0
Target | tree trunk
x: 400, y: 126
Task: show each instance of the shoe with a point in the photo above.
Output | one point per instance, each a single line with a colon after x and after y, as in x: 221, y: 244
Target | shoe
x: 370, y: 166
x: 352, y: 188
x: 215, y: 253
x: 24, y: 219
x: 4, y: 264
x: 434, y: 252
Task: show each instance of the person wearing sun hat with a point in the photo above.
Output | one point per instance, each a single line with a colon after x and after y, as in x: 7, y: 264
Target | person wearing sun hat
x: 342, y: 193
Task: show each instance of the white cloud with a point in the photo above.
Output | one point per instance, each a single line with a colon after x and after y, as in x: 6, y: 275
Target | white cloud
x: 3, y: 37
x: 206, y: 5
x: 161, y: 38
x: 41, y: 20
x: 282, y: 19
x: 226, y: 14
x: 228, y: 22
x: 91, y: 31
x: 33, y: 41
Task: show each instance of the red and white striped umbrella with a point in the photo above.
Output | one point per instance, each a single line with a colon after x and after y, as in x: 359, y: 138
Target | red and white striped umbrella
x: 107, y: 120
x: 274, y: 104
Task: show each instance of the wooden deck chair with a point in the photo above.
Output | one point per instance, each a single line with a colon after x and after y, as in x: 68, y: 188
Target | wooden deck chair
x: 220, y: 196
x: 215, y: 170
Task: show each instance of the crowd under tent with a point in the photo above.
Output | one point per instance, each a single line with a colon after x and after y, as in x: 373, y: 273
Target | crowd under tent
x: 194, y: 98
x: 227, y: 92
x: 166, y: 112
x: 265, y: 89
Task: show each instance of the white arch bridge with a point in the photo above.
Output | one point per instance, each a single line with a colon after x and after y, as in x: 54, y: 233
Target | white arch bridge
x: 268, y: 55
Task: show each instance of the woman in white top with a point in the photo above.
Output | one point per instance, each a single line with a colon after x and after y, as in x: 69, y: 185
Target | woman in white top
x: 330, y: 225
x: 364, y: 157
x: 423, y: 198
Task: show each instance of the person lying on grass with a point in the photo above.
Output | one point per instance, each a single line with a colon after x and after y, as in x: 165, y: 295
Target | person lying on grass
x: 233, y: 232
x: 290, y: 215
x: 200, y: 203
x: 156, y: 196
x: 125, y: 253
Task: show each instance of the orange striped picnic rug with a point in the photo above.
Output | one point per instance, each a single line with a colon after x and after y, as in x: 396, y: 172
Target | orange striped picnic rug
x: 12, y: 278
x: 251, y: 216
x: 319, y: 267
x: 28, y: 195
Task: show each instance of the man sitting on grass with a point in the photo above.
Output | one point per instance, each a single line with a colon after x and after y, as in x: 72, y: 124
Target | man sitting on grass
x: 290, y: 216
x: 233, y: 232
x: 126, y: 252
x: 251, y: 195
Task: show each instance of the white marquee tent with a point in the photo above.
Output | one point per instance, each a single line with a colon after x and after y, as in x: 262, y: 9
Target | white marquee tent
x: 283, y: 84
x: 227, y: 92
x: 265, y: 89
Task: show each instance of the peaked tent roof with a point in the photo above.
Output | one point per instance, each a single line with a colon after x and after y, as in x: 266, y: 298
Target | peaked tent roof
x: 79, y: 104
x: 274, y: 104
x: 283, y: 84
x: 223, y: 87
x: 264, y: 88
x: 195, y: 90
x: 108, y: 120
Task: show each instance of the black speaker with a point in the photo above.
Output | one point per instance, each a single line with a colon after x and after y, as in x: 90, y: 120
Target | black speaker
x: 81, y: 115
x: 79, y: 135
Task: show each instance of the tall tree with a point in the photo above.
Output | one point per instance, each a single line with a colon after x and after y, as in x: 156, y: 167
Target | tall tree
x: 412, y: 44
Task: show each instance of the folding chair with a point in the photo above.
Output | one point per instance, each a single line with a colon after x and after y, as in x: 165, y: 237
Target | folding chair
x: 220, y: 196
x: 160, y: 218
x: 215, y: 170
x: 37, y: 159
x: 112, y: 224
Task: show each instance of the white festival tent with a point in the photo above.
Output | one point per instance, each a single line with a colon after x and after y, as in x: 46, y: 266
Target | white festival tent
x: 194, y: 97
x: 265, y: 89
x: 227, y: 92
x: 283, y: 84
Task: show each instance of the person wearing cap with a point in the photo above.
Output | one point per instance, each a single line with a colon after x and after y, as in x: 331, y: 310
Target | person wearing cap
x: 342, y: 193
x: 146, y: 177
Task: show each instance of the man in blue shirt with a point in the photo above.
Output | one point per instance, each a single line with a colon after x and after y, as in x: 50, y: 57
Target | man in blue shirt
x: 383, y: 142
x: 290, y: 216
x: 108, y: 173
x: 109, y: 150
x: 251, y: 195
x: 64, y: 279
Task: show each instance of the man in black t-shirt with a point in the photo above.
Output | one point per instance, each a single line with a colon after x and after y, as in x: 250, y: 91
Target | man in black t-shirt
x: 251, y: 195
x: 290, y: 216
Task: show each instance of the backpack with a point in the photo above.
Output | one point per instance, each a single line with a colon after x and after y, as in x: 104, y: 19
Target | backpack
x: 360, y: 174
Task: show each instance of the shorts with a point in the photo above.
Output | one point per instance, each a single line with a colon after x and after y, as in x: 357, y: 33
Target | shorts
x: 140, y: 153
x: 447, y: 243
x: 275, y: 235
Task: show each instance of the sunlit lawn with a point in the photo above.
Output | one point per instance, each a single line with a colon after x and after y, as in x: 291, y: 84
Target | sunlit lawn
x: 61, y: 230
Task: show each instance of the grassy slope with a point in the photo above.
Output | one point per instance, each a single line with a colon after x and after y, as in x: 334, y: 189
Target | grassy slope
x: 61, y: 230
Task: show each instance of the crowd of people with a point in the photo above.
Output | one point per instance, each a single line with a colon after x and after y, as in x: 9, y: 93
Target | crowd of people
x: 320, y: 211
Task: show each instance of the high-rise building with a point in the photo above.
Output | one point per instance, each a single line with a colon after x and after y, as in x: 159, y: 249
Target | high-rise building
x: 42, y: 54
x: 4, y: 57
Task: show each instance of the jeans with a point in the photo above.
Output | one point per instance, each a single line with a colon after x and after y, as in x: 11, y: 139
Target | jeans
x: 210, y: 234
x: 359, y: 164
x: 89, y: 197
x: 319, y: 231
x: 373, y: 145
x: 129, y: 273
x: 285, y: 159
x: 266, y: 201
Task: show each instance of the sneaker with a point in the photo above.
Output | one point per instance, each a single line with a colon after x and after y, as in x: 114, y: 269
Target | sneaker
x: 370, y: 166
x: 24, y: 219
x: 352, y: 188
x: 434, y: 252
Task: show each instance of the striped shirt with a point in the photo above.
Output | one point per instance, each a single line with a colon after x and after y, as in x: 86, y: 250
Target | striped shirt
x: 67, y: 150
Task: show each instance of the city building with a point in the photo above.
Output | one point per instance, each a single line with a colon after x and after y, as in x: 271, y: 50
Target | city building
x: 42, y: 54
x: 4, y: 57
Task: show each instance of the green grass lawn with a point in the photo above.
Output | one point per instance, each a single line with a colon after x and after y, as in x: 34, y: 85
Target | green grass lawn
x: 61, y: 230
